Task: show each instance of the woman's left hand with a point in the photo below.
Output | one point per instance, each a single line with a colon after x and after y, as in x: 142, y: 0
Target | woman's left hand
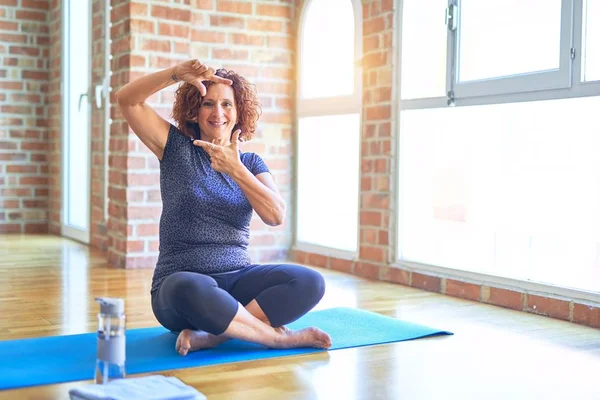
x: 225, y: 159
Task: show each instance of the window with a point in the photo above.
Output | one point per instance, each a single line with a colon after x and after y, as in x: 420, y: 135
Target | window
x: 508, y: 190
x: 591, y: 41
x: 328, y: 139
x: 490, y: 53
x: 76, y: 120
x: 497, y: 167
x: 516, y: 47
x: 424, y: 60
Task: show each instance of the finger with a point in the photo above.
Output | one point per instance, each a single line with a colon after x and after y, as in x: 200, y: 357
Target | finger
x: 201, y: 143
x: 218, y: 79
x: 198, y: 83
x: 201, y: 70
x: 236, y: 136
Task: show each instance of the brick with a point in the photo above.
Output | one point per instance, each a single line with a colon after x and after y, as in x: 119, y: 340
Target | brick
x: 247, y: 39
x: 300, y: 257
x: 317, y: 260
x: 237, y: 7
x: 366, y: 270
x: 372, y: 253
x: 228, y: 54
x: 426, y: 282
x: 203, y: 4
x: 375, y: 59
x: 370, y: 218
x: 395, y: 275
x: 548, y: 306
x: 30, y: 15
x: 13, y: 38
x: 208, y: 36
x: 463, y: 290
x: 379, y: 112
x: 373, y: 25
x: 175, y: 30
x: 586, y: 315
x: 272, y: 10
x: 173, y: 14
x: 36, y: 4
x: 506, y: 298
x: 226, y: 22
x: 384, y: 239
x: 265, y: 25
x: 342, y: 265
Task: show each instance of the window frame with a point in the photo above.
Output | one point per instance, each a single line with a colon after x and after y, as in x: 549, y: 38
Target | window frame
x: 578, y: 88
x: 327, y: 106
x: 525, y: 82
x: 519, y: 88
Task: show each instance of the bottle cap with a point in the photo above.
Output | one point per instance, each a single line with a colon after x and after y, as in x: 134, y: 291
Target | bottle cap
x: 111, y: 305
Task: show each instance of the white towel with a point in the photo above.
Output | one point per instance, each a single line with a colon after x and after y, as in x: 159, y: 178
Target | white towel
x: 153, y: 387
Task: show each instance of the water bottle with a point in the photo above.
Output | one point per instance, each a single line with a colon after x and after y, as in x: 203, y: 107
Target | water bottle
x: 110, y: 362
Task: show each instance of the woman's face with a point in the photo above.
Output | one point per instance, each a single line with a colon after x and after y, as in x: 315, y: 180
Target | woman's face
x: 217, y: 114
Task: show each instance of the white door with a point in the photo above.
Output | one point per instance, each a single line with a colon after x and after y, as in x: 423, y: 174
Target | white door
x: 76, y: 125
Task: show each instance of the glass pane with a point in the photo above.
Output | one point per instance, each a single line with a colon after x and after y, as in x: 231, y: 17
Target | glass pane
x: 591, y: 40
x: 424, y: 45
x: 328, y: 54
x: 328, y: 181
x: 509, y: 190
x: 505, y: 38
x: 77, y: 135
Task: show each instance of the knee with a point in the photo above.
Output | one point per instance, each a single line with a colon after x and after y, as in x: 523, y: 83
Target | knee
x: 312, y: 285
x: 186, y: 290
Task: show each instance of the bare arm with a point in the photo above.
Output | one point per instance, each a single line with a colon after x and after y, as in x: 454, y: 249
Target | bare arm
x: 150, y: 127
x: 263, y: 195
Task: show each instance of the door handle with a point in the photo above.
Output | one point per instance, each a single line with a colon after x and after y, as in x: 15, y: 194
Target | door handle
x: 98, y: 92
x: 81, y: 96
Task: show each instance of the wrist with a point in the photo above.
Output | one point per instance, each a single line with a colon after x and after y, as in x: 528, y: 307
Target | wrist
x: 174, y: 73
x: 239, y: 171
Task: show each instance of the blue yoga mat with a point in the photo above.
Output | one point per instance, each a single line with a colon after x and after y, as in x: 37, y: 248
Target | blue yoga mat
x: 56, y: 359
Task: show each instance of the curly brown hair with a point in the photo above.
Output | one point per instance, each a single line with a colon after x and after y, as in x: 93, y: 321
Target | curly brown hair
x: 188, y: 100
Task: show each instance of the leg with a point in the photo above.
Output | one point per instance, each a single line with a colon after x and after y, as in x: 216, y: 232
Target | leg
x: 189, y: 302
x: 279, y: 294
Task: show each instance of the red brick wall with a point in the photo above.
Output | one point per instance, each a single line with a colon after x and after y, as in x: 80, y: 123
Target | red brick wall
x: 24, y: 74
x: 378, y: 154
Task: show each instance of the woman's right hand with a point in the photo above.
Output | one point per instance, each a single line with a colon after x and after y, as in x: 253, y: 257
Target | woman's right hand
x: 194, y: 72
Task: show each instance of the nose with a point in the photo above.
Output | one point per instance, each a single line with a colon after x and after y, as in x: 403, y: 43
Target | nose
x: 220, y: 110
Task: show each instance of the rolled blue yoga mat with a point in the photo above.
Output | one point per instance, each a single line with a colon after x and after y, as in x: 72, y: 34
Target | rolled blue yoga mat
x: 56, y: 359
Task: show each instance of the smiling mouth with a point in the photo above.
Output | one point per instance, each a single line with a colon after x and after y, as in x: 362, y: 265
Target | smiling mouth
x: 217, y: 124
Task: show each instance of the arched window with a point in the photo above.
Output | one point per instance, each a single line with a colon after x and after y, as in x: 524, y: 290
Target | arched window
x: 328, y: 126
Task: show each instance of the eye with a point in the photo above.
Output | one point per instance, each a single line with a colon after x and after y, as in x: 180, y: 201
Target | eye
x: 207, y: 104
x: 227, y: 104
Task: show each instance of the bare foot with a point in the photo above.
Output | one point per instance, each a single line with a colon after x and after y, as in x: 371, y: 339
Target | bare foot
x: 189, y: 340
x: 307, y: 337
x: 283, y: 330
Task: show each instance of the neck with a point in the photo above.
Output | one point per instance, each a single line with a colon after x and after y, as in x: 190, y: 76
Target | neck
x: 221, y: 141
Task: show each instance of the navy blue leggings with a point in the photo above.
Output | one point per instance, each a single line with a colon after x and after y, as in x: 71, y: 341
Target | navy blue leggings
x: 189, y: 300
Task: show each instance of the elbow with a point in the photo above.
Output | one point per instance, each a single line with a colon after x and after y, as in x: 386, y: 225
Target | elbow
x: 119, y: 98
x: 276, y: 221
x: 277, y: 218
x: 122, y: 99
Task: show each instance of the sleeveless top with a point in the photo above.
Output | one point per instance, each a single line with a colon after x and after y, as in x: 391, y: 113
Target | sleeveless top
x: 205, y: 220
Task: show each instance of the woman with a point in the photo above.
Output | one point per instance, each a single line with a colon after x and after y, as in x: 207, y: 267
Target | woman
x: 204, y: 285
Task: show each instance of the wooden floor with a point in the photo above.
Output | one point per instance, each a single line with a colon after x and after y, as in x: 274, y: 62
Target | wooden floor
x: 48, y: 285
